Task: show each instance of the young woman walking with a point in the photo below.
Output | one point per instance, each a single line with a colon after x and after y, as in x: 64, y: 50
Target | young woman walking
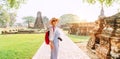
x: 54, y: 35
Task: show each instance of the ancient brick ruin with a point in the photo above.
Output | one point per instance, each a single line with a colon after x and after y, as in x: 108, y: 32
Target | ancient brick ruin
x: 105, y: 38
x: 81, y: 28
x: 39, y: 22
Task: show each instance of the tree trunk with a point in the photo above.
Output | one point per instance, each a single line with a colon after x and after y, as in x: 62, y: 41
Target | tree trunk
x: 28, y: 23
x: 7, y: 24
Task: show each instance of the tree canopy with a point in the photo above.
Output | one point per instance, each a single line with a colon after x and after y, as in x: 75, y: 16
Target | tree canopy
x: 102, y: 3
x: 68, y: 18
x: 45, y: 19
x: 12, y: 3
x: 29, y: 19
x: 6, y: 16
x: 106, y: 2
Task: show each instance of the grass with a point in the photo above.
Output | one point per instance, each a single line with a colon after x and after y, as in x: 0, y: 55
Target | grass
x: 19, y: 46
x: 76, y: 38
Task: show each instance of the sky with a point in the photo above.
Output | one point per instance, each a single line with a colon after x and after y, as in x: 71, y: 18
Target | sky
x: 56, y: 8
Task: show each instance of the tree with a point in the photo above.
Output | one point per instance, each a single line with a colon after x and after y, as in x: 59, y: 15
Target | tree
x: 12, y: 3
x: 106, y: 2
x: 29, y: 19
x: 19, y: 24
x: 12, y: 18
x: 102, y: 3
x: 7, y: 19
x: 4, y: 18
x: 45, y: 21
x: 68, y: 18
x: 7, y: 7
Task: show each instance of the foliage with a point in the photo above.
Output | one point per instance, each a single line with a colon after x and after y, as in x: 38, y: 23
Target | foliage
x: 12, y: 3
x: 19, y: 46
x: 102, y: 3
x: 45, y: 19
x: 68, y: 18
x: 29, y: 19
x: 19, y: 24
x: 4, y: 18
x: 12, y: 18
x: 106, y: 2
x: 7, y: 11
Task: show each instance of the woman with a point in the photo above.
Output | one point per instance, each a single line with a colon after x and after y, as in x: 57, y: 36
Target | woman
x: 54, y: 34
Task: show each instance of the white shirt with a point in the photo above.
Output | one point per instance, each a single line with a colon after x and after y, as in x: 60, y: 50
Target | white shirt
x: 54, y: 34
x: 51, y: 33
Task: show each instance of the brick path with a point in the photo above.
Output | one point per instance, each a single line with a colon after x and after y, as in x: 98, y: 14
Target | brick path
x: 67, y: 50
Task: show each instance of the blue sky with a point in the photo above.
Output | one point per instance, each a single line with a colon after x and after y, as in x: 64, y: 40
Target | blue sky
x: 56, y: 8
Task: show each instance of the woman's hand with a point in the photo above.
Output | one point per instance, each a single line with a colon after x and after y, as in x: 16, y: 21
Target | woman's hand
x: 51, y: 45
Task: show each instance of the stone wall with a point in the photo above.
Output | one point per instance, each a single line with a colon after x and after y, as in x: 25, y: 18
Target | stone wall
x: 105, y: 38
x: 80, y: 28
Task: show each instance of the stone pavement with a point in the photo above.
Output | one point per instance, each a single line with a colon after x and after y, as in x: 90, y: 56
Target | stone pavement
x: 67, y: 50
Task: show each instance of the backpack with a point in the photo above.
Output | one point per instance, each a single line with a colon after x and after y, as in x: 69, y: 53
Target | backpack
x: 47, y: 37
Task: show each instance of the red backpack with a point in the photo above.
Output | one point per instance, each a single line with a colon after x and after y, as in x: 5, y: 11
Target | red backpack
x: 47, y: 37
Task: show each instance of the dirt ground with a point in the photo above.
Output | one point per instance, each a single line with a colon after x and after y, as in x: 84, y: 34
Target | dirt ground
x: 82, y: 45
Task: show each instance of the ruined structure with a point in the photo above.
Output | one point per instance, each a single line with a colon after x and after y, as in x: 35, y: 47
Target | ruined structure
x: 81, y: 28
x: 105, y: 38
x: 39, y: 23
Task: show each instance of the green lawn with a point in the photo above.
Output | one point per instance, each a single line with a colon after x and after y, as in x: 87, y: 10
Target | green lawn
x: 19, y: 46
x: 76, y: 38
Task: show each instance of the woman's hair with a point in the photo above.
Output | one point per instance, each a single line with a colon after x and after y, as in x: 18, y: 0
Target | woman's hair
x: 53, y: 20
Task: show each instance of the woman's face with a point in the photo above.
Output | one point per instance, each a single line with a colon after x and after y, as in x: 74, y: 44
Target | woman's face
x: 54, y: 23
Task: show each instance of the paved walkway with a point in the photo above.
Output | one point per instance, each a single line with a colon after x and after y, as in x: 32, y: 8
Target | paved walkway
x: 67, y: 50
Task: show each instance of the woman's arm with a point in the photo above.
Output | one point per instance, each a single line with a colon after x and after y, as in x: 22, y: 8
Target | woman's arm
x: 51, y: 45
x: 51, y: 37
